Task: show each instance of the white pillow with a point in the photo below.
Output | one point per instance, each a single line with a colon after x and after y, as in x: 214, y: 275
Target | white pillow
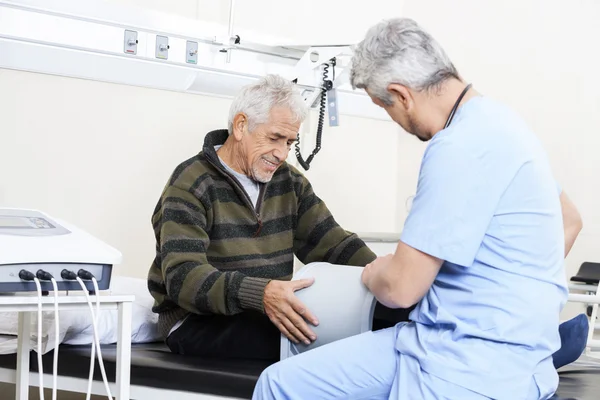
x: 76, y: 325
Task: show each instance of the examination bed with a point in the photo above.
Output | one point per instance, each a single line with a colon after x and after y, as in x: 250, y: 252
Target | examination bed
x: 156, y: 373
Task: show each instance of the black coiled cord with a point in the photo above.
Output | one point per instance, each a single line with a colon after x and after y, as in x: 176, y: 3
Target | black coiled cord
x: 327, y: 85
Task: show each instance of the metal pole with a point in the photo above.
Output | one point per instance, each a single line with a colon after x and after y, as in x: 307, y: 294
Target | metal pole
x: 231, y: 19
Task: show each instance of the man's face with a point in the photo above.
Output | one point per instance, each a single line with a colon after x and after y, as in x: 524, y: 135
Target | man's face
x: 404, y: 116
x: 267, y: 147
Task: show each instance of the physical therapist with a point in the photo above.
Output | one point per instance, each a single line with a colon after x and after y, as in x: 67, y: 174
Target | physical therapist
x: 481, y: 250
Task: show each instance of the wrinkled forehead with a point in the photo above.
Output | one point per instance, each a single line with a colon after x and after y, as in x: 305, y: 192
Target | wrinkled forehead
x: 283, y: 122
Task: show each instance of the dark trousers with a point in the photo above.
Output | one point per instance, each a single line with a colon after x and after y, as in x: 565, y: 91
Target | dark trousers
x: 248, y: 335
x: 384, y: 317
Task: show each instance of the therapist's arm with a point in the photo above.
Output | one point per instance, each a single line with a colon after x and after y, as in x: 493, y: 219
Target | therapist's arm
x: 571, y: 221
x: 402, y: 279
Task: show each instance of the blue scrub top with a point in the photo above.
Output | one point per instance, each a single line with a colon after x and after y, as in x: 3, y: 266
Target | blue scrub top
x: 487, y: 204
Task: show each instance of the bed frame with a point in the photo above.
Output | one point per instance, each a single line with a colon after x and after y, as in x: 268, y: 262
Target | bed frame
x: 576, y: 382
x: 79, y: 385
x: 157, y: 374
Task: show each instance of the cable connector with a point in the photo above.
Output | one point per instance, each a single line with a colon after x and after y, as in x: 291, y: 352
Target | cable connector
x: 68, y: 275
x: 83, y: 274
x: 26, y: 275
x: 43, y: 275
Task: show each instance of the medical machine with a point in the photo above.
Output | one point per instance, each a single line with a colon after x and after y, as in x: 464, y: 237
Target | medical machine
x: 35, y: 245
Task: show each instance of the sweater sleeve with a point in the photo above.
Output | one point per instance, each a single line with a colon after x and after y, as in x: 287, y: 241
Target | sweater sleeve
x: 319, y: 237
x: 191, y: 281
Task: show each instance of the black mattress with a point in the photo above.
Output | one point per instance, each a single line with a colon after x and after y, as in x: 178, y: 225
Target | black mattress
x: 153, y: 365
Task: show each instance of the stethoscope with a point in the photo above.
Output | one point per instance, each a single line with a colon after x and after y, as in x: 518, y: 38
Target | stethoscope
x: 409, y: 200
x: 451, y: 116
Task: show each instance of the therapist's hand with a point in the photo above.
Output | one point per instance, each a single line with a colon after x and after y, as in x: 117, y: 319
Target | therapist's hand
x: 287, y: 312
x: 373, y: 269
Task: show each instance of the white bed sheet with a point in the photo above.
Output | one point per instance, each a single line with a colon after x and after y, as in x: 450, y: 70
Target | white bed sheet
x: 76, y: 326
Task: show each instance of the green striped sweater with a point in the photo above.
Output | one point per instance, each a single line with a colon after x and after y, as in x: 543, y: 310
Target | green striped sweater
x: 216, y: 252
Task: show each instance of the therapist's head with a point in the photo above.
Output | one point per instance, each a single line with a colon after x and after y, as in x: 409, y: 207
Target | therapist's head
x: 264, y: 120
x: 402, y: 68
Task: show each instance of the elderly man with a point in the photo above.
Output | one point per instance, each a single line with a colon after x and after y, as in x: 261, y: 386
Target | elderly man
x: 227, y: 226
x: 481, y: 250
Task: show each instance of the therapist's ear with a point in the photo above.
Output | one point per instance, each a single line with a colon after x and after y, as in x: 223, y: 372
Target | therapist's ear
x: 401, y: 94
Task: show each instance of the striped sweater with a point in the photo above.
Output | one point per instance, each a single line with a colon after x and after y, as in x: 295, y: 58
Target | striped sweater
x: 216, y: 252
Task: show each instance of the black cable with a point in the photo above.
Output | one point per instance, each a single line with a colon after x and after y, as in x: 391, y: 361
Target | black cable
x: 86, y: 275
x: 333, y: 63
x: 26, y: 275
x: 68, y: 275
x: 327, y: 86
x: 43, y: 275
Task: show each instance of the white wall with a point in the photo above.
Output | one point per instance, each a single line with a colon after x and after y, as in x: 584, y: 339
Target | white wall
x: 99, y: 154
x: 355, y: 173
x: 539, y: 56
x: 536, y: 55
x: 306, y: 22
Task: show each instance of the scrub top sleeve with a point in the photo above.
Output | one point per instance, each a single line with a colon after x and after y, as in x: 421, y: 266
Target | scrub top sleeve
x: 457, y: 196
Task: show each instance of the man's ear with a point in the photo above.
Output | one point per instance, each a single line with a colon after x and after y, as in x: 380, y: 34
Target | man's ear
x: 401, y: 94
x: 240, y: 126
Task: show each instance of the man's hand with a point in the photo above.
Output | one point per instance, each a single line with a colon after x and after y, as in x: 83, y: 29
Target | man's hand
x: 374, y: 268
x: 288, y: 313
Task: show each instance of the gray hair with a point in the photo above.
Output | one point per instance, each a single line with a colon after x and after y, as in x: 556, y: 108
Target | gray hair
x: 257, y: 100
x: 399, y: 51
